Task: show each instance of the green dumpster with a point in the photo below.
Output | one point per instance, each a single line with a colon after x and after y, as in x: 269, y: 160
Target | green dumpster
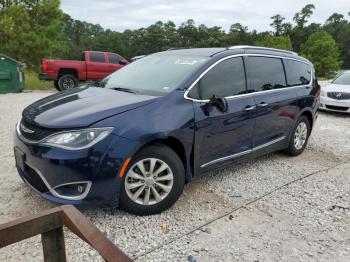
x: 11, y: 75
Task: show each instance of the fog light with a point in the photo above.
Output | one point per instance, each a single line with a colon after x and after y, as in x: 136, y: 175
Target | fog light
x: 73, y: 191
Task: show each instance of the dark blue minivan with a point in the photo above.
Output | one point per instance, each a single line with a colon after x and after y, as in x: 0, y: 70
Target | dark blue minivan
x: 135, y: 138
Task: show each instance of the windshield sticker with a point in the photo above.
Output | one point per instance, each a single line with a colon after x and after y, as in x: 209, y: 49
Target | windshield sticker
x: 186, y: 62
x: 166, y: 88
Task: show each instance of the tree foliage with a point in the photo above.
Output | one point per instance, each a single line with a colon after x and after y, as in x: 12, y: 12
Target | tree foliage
x: 33, y: 29
x: 30, y: 29
x: 322, y: 50
x: 301, y: 18
x: 280, y: 42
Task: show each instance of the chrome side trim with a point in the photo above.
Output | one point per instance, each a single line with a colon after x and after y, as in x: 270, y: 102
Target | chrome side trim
x: 269, y: 143
x: 227, y: 157
x: 244, y: 152
x: 249, y: 94
x: 53, y: 191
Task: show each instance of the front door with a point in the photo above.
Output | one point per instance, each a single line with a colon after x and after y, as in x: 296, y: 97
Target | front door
x: 221, y: 137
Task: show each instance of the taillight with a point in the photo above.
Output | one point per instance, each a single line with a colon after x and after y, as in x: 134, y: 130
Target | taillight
x: 44, y: 65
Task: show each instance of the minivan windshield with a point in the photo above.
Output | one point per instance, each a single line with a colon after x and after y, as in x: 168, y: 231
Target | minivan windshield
x: 156, y: 74
x: 343, y: 79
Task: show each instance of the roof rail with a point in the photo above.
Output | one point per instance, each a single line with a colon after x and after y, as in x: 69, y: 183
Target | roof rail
x: 262, y: 48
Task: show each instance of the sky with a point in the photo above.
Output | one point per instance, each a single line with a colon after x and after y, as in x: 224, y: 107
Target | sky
x: 134, y: 14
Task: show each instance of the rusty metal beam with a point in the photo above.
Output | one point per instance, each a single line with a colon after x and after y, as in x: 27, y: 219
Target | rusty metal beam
x: 50, y: 224
x: 53, y: 245
x: 84, y: 229
x: 30, y: 226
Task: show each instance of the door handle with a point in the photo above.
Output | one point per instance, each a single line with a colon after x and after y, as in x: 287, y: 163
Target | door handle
x: 249, y: 108
x: 263, y: 104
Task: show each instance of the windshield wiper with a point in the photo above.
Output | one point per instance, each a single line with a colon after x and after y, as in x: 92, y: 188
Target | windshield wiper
x: 124, y: 89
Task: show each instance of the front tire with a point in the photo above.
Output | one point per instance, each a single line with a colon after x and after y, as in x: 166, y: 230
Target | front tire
x: 153, y: 182
x: 299, y: 137
x: 66, y: 82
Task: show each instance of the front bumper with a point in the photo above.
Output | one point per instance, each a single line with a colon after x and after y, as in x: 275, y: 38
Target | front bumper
x: 45, y: 169
x: 334, y: 105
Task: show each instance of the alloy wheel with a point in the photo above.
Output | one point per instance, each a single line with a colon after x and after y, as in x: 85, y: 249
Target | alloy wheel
x: 300, y: 135
x: 68, y: 83
x: 149, y: 181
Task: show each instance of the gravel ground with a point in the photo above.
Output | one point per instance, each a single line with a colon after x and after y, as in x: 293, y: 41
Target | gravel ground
x: 270, y: 209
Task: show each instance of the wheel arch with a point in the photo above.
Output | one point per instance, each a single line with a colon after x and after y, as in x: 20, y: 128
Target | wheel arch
x: 178, y: 147
x: 309, y: 115
x: 68, y: 71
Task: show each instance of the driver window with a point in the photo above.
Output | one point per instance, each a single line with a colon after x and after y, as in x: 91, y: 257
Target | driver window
x: 225, y: 79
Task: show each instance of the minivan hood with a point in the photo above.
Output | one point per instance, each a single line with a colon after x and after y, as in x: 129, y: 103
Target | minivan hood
x: 82, y: 107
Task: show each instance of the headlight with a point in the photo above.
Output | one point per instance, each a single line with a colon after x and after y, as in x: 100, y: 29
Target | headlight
x: 77, y: 139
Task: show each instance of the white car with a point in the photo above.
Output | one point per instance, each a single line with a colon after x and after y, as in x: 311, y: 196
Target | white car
x: 336, y: 95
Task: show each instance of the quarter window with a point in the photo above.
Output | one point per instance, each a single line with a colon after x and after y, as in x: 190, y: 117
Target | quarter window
x: 97, y: 57
x: 223, y: 80
x: 298, y: 73
x: 265, y: 73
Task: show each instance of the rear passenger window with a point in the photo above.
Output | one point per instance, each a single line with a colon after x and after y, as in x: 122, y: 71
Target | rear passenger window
x: 298, y: 73
x: 265, y: 73
x: 225, y: 79
x: 114, y: 59
x: 97, y: 57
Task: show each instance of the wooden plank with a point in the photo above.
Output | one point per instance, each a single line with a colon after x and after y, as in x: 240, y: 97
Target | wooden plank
x: 53, y: 245
x: 83, y: 228
x: 30, y: 226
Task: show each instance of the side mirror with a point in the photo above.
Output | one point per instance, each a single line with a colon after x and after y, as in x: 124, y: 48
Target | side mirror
x: 220, y: 103
x: 123, y: 62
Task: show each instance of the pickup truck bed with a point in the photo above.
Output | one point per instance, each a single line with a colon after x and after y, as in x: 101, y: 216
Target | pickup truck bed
x: 68, y: 73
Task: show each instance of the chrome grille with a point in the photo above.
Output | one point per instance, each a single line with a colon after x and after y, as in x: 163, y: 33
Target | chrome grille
x: 34, y: 133
x: 339, y: 95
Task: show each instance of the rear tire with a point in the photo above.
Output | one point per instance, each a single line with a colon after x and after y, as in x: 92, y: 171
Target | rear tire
x: 299, y: 137
x: 66, y: 82
x: 149, y: 190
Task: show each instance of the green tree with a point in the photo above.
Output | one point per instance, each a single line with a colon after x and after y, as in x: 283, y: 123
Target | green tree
x: 280, y: 42
x: 188, y: 33
x: 322, y: 51
x: 339, y: 28
x: 30, y: 29
x: 277, y: 23
x: 280, y: 27
x: 301, y: 32
x: 240, y: 35
x: 210, y: 37
x: 305, y: 13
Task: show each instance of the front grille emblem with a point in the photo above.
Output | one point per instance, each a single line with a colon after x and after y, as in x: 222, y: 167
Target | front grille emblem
x: 338, y: 95
x: 26, y: 130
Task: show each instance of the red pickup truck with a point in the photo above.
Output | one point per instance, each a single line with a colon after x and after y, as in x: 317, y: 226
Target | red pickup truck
x: 67, y: 73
